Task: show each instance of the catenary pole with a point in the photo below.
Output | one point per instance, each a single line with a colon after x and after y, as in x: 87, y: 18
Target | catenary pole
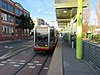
x: 79, y: 51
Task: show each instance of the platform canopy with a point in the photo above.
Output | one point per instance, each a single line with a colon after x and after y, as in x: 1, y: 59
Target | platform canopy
x: 66, y: 10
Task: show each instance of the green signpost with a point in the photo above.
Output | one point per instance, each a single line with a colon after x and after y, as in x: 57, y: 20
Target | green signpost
x: 79, y: 51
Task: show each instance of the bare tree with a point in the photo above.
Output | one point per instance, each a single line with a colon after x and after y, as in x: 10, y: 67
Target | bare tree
x: 86, y: 21
x: 98, y: 12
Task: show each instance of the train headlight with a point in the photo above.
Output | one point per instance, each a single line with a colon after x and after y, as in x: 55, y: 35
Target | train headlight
x: 46, y: 45
x: 37, y: 45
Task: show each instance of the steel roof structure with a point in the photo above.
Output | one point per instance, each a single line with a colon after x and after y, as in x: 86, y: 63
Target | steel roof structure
x: 66, y: 10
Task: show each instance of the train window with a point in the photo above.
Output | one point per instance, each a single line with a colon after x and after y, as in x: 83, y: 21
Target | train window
x: 52, y: 36
x: 52, y: 33
x: 52, y: 39
x: 42, y: 34
x: 41, y: 38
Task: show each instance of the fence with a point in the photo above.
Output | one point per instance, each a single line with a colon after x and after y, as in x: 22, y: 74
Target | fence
x: 92, y: 55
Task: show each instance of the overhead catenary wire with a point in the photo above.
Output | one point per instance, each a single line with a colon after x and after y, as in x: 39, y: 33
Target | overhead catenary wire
x: 46, y: 9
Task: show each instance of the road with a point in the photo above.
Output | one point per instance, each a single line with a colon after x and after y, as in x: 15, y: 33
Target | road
x: 19, y: 58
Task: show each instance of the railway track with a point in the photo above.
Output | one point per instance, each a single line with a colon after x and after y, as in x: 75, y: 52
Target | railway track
x: 24, y: 62
x: 12, y: 63
x: 37, y: 66
x: 13, y: 53
x: 7, y: 46
x: 10, y: 51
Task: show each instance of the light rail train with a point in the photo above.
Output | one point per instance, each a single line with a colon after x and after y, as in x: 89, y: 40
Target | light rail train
x: 45, y: 38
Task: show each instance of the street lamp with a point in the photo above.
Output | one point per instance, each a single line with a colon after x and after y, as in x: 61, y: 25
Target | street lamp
x: 65, y: 11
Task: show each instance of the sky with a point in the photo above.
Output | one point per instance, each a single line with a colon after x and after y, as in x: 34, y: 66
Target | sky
x: 93, y: 16
x: 43, y: 9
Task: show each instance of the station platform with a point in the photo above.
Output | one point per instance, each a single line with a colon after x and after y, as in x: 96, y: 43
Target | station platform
x: 64, y: 62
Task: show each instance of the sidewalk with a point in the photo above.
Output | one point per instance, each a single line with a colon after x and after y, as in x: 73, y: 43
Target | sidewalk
x: 72, y: 66
x: 64, y: 62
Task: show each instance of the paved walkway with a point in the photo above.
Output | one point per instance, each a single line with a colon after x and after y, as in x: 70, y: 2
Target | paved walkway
x: 72, y: 66
x: 64, y: 62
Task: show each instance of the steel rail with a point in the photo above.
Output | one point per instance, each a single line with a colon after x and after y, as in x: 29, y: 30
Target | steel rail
x: 24, y: 64
x: 43, y: 65
x: 15, y: 54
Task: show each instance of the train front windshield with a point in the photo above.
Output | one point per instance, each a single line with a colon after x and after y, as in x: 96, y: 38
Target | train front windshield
x: 41, y: 38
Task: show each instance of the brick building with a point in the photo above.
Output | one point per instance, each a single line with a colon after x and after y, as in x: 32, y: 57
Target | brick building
x: 9, y: 13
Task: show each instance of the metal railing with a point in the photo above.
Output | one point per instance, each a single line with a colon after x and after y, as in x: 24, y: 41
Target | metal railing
x: 92, y: 55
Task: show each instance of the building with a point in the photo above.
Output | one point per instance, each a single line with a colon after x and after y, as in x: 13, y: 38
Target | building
x: 9, y: 13
x: 38, y: 21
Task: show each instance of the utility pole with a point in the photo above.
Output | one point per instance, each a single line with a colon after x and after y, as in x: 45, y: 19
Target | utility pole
x: 79, y: 50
